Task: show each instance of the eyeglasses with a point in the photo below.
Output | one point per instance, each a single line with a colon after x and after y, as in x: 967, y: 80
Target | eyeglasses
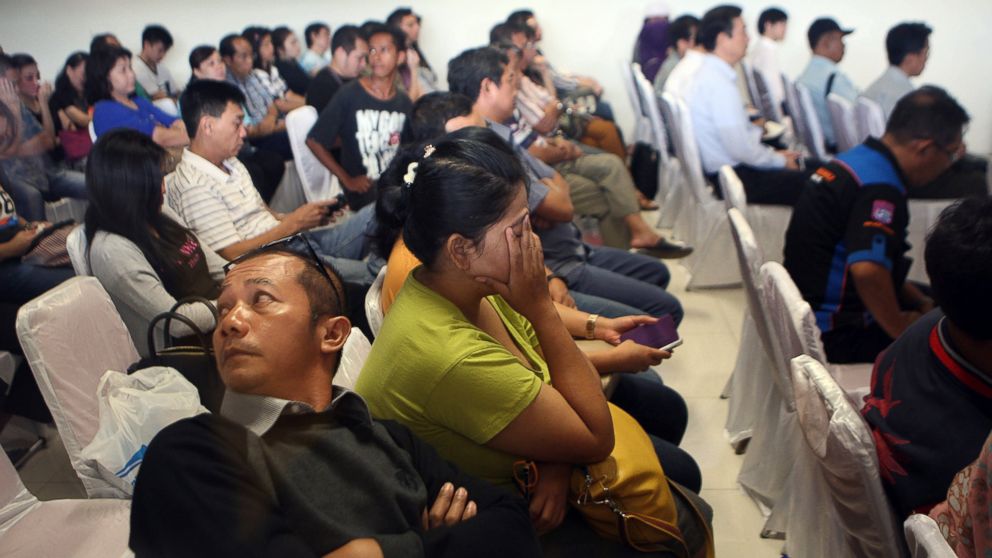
x: 296, y: 244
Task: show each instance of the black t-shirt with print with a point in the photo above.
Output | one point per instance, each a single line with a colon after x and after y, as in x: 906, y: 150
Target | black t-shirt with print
x: 370, y: 130
x: 323, y: 87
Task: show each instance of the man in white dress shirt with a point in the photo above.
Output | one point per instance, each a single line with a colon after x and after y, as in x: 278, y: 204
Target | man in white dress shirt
x: 772, y: 24
x: 723, y: 130
x: 908, y: 47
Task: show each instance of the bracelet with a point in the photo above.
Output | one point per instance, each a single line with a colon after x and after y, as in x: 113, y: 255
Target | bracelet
x: 591, y: 326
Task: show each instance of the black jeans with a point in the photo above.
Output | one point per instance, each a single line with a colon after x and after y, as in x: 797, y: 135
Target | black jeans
x: 769, y: 186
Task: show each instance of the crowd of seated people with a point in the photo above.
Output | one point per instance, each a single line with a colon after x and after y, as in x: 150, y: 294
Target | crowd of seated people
x: 463, y: 196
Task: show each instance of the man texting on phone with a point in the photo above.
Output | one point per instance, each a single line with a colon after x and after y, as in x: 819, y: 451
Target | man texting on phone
x: 212, y: 192
x: 293, y: 466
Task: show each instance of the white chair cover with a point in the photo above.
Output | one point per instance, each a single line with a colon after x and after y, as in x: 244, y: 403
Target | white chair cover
x: 813, y: 136
x: 768, y: 222
x: 78, y: 528
x: 92, y: 131
x: 642, y: 128
x: 870, y: 118
x: 76, y: 245
x: 752, y: 377
x: 353, y: 356
x: 838, y: 505
x: 65, y: 209
x: 769, y: 108
x: 71, y: 335
x: 671, y: 189
x: 924, y: 539
x: 167, y: 106
x: 373, y: 302
x: 289, y: 194
x: 796, y: 114
x: 844, y: 121
x: 923, y: 215
x: 318, y: 183
x: 705, y: 223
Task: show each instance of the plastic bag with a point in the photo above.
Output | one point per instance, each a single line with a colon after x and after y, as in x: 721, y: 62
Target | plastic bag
x: 133, y: 409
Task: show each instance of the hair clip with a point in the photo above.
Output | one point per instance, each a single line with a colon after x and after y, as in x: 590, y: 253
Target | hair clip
x: 428, y: 151
x: 411, y: 174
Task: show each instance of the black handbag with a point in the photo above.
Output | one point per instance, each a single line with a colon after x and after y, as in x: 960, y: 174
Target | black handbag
x: 193, y: 356
x: 644, y: 169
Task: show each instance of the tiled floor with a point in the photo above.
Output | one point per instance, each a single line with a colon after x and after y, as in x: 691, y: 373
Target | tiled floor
x: 698, y: 370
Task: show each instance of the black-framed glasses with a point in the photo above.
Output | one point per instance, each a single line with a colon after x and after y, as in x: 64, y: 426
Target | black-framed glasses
x: 297, y: 244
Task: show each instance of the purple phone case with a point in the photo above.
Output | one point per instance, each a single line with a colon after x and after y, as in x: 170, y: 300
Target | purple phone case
x: 657, y: 335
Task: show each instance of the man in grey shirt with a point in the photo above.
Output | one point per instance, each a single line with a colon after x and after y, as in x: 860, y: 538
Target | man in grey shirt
x: 908, y: 47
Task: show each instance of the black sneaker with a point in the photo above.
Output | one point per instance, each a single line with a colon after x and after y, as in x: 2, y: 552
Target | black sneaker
x: 667, y: 250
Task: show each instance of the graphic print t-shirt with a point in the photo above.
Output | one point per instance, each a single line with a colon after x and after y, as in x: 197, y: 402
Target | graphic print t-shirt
x: 370, y: 129
x: 9, y: 222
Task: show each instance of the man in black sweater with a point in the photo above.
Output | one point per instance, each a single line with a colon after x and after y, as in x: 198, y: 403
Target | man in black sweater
x: 295, y: 467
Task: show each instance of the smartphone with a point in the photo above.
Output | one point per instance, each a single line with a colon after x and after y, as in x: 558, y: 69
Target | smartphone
x: 336, y: 204
x: 661, y: 334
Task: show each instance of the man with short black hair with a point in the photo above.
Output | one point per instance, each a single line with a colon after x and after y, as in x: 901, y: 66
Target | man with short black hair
x: 317, y: 55
x: 349, y: 55
x: 213, y: 194
x: 724, y: 133
x: 846, y: 243
x: 930, y: 406
x: 266, y: 130
x: 294, y: 466
x: 822, y: 76
x: 772, y: 25
x: 908, y: 47
x: 368, y: 116
x: 681, y: 39
x: 102, y: 41
x: 153, y: 76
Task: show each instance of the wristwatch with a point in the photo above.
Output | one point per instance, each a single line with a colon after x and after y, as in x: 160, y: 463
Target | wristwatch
x: 591, y: 326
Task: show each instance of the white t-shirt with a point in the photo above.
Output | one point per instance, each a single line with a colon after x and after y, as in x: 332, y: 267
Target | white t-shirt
x: 764, y: 58
x: 154, y: 81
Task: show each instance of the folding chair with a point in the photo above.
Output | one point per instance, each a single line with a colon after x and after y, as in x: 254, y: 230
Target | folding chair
x: 753, y: 376
x: 76, y: 245
x: 924, y: 539
x: 642, y: 128
x: 844, y: 121
x: 839, y: 507
x: 769, y: 108
x: 813, y: 131
x: 71, y: 335
x: 79, y: 528
x: 373, y: 302
x: 704, y: 225
x: 870, y: 119
x: 769, y: 222
x: 671, y: 189
x: 318, y: 183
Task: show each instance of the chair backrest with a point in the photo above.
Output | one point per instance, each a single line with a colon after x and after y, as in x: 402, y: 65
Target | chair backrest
x: 845, y: 124
x: 924, y: 539
x: 792, y: 105
x: 686, y: 148
x: 92, y: 131
x: 786, y: 312
x: 870, y: 118
x: 353, y: 356
x: 642, y: 128
x: 76, y: 245
x: 650, y: 106
x: 845, y: 453
x: 15, y: 499
x: 318, y: 184
x: 750, y: 258
x: 373, y: 302
x: 167, y: 106
x: 733, y: 189
x: 752, y: 87
x: 71, y: 335
x: 813, y: 132
x: 769, y: 108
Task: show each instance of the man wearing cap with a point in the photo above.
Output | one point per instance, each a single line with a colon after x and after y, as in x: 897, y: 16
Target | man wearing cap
x: 822, y: 76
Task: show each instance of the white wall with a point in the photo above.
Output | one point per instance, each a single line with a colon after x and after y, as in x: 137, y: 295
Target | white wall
x: 588, y: 36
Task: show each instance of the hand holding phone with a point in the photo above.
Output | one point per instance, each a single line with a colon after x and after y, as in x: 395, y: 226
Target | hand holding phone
x: 661, y: 334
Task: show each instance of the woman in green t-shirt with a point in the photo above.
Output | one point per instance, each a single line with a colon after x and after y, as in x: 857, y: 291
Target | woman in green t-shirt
x: 473, y: 356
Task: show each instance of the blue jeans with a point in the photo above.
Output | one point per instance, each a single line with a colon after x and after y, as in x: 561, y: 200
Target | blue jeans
x: 23, y: 282
x: 632, y: 279
x: 602, y: 306
x: 30, y: 201
x: 345, y: 246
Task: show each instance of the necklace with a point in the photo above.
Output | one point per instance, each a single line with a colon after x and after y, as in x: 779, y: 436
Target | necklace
x: 379, y: 94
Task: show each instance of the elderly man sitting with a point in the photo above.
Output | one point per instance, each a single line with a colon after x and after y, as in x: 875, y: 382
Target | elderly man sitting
x: 295, y: 467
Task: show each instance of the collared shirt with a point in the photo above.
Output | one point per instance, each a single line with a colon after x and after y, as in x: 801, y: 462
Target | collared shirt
x: 221, y: 206
x: 271, y: 81
x: 683, y: 72
x: 891, y: 86
x: 257, y: 97
x: 929, y: 411
x: 763, y: 57
x: 259, y: 413
x: 815, y: 78
x: 310, y: 60
x: 724, y: 133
